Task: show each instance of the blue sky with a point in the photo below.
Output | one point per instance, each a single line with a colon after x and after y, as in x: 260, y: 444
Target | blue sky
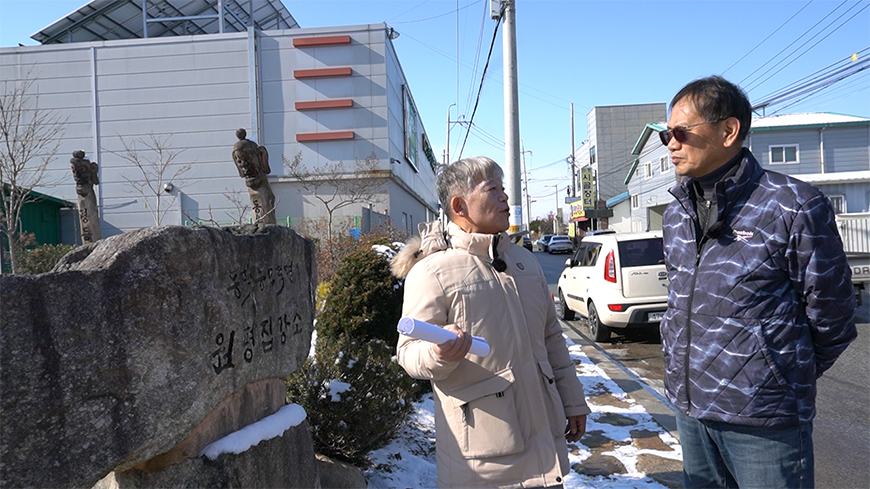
x: 607, y: 52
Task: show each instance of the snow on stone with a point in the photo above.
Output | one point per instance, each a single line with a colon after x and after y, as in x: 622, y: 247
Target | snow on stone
x: 267, y: 428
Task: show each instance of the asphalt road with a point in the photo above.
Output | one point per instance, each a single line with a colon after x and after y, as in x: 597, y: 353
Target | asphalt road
x: 841, y: 430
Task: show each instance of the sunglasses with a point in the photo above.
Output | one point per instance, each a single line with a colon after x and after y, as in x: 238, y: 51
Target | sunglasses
x: 679, y: 132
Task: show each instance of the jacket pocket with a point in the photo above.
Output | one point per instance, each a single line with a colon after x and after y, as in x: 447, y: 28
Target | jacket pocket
x: 484, y: 418
x: 558, y: 420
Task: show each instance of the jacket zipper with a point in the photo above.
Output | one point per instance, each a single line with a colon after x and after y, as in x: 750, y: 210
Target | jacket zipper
x: 686, y: 362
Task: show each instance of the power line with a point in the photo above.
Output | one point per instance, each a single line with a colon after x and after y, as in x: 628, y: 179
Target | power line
x: 524, y: 87
x: 790, y: 45
x: 808, y: 86
x: 482, y: 78
x: 436, y: 16
x: 410, y: 9
x: 768, y: 37
x: 816, y: 44
x: 476, y: 63
x: 748, y: 88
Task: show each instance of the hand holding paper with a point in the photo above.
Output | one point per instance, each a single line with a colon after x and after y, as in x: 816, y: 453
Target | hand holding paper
x: 422, y: 330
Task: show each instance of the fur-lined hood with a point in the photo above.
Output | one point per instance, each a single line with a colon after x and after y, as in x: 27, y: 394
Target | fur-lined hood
x: 430, y: 240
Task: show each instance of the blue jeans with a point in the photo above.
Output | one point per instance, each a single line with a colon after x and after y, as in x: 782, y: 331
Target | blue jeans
x: 717, y: 454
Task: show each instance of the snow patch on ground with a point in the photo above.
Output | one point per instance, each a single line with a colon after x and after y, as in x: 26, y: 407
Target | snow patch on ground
x: 409, y: 460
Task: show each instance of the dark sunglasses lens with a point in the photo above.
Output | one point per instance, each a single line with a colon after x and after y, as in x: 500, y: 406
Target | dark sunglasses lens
x: 665, y: 136
x: 679, y: 134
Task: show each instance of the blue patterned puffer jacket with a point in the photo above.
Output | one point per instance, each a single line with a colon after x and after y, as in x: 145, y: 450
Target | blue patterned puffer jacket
x: 760, y: 306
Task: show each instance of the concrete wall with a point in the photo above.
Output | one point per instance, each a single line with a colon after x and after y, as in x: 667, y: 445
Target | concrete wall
x: 613, y: 131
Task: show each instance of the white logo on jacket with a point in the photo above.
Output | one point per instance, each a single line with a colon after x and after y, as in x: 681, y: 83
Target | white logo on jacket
x: 743, y: 235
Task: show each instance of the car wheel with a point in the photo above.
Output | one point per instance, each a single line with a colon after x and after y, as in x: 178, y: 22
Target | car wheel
x: 567, y: 313
x: 599, y: 331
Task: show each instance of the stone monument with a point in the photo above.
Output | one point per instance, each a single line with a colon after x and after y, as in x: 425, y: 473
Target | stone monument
x: 86, y: 176
x: 139, y: 350
x: 252, y: 161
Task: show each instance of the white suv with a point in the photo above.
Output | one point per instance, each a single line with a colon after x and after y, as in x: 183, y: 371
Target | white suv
x: 616, y: 281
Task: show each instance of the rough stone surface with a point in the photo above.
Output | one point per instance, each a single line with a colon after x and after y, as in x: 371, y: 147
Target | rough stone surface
x: 599, y: 465
x: 616, y: 419
x: 666, y: 472
x: 117, y: 355
x: 248, y: 405
x: 649, y: 440
x: 595, y: 439
x: 285, y: 461
x: 335, y: 474
x: 608, y: 399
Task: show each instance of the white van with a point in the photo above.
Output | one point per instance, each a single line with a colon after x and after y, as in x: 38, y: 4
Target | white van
x: 616, y: 281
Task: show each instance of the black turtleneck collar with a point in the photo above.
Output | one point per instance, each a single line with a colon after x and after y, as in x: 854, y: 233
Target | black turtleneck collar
x: 705, y: 185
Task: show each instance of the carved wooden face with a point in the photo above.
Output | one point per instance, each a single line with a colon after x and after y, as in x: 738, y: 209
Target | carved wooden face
x: 252, y: 162
x: 247, y: 160
x: 85, y: 175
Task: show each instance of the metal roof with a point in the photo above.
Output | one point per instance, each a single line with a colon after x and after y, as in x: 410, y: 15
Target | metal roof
x: 106, y: 20
x: 788, y: 121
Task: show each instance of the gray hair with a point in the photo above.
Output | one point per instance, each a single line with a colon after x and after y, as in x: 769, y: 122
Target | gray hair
x: 459, y: 177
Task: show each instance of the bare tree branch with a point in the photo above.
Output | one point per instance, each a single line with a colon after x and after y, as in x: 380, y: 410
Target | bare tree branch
x: 156, y: 166
x: 30, y: 139
x: 242, y: 204
x: 336, y: 186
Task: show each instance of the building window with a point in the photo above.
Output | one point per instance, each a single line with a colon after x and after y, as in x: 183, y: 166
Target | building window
x: 592, y: 155
x: 635, y: 201
x: 839, y: 203
x: 780, y: 155
x: 647, y: 169
x: 665, y: 163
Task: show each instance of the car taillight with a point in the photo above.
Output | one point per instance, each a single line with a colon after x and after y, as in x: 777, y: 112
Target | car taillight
x: 610, y: 268
x: 616, y: 307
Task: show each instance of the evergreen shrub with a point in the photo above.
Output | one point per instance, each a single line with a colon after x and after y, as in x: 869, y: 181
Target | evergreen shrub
x: 364, y: 300
x: 348, y: 424
x: 41, y: 258
x: 355, y: 347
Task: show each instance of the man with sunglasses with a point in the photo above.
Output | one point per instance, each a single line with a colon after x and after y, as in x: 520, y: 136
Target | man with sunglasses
x: 760, y: 301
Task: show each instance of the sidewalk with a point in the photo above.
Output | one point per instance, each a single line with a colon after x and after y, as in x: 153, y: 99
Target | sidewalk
x: 648, y: 442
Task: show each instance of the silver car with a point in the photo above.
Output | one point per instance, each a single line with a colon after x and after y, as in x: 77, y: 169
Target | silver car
x: 560, y: 244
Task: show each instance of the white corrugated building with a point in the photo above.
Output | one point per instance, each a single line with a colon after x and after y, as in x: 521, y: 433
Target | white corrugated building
x: 195, y: 71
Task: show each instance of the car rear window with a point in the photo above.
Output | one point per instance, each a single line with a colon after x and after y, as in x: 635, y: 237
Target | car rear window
x: 641, y: 252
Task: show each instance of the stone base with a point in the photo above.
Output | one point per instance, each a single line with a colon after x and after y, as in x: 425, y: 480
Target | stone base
x: 335, y: 474
x: 286, y: 461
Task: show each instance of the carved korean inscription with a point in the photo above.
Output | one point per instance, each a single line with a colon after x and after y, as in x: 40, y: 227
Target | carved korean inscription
x: 266, y: 332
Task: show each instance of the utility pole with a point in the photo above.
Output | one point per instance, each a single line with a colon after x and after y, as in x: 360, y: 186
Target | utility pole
x: 447, y: 149
x: 528, y: 216
x: 573, y: 164
x: 511, y: 114
x: 556, y: 210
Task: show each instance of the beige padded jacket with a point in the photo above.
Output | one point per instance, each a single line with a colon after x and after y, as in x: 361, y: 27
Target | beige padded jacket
x: 499, y: 420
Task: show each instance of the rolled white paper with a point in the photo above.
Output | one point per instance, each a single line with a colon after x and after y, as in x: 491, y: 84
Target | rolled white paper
x: 422, y: 330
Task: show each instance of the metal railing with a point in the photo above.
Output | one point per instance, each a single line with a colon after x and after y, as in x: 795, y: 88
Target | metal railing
x: 855, y: 232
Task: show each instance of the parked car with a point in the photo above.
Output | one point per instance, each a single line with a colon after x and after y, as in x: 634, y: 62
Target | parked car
x: 527, y: 243
x: 560, y: 244
x: 542, y: 242
x: 616, y: 281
